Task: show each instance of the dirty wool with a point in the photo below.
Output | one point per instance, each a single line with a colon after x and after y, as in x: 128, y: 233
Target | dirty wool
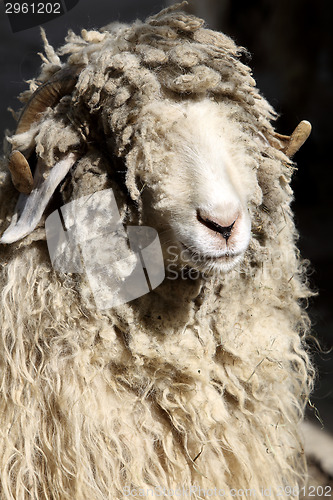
x: 202, y: 382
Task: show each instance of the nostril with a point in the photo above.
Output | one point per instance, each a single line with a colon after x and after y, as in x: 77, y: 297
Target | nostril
x: 216, y: 226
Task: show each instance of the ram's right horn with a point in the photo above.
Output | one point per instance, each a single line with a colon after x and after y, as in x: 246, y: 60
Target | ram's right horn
x: 30, y: 207
x: 47, y: 95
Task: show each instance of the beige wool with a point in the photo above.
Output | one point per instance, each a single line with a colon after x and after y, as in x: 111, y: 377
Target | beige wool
x: 202, y: 382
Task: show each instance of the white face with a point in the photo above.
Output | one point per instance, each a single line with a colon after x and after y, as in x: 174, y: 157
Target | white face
x: 214, y: 232
x: 213, y: 228
x: 207, y: 189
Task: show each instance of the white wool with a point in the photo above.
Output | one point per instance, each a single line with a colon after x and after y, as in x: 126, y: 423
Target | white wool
x: 202, y: 382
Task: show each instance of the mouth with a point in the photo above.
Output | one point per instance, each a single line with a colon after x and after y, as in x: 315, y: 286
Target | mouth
x: 226, y: 258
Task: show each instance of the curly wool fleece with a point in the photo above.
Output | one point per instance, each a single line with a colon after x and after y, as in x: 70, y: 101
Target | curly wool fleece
x: 199, y: 384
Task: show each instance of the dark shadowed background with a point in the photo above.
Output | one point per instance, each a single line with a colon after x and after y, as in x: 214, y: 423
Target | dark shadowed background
x: 291, y: 47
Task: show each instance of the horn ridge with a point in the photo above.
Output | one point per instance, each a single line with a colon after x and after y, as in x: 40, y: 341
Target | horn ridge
x: 47, y: 95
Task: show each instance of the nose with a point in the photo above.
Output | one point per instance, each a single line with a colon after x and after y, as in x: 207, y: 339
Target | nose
x: 217, y: 224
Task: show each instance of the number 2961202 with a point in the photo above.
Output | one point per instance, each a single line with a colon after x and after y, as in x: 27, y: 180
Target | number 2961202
x: 33, y: 8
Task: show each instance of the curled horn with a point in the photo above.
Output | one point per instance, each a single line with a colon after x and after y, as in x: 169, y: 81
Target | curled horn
x: 47, y: 95
x: 35, y: 192
x: 20, y: 172
x: 290, y: 144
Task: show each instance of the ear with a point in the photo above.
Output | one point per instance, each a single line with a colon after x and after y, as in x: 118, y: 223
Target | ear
x: 36, y: 190
x: 30, y: 208
x: 290, y: 144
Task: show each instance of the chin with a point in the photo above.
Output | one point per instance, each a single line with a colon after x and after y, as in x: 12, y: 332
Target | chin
x: 210, y: 263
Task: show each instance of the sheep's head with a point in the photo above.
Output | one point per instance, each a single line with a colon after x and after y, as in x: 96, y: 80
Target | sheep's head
x: 174, y: 101
x: 198, y: 180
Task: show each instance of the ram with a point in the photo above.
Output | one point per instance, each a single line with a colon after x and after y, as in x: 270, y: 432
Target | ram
x: 202, y: 382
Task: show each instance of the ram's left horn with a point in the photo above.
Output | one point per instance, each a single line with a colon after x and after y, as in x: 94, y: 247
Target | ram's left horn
x: 292, y: 143
x: 298, y: 137
x: 30, y: 208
